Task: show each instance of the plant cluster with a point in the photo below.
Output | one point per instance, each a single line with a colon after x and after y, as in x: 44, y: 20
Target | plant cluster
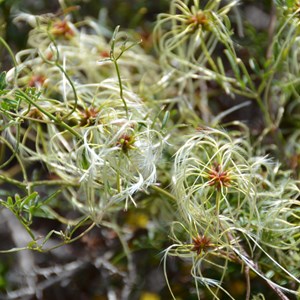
x: 93, y: 124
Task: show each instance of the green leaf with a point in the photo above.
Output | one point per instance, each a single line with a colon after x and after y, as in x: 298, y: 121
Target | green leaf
x: 165, y: 119
x: 85, y: 164
x: 28, y: 201
x: 41, y: 212
x: 8, y: 104
x: 3, y: 81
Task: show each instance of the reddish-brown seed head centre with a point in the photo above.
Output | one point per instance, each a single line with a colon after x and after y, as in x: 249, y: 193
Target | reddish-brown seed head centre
x: 200, y: 243
x: 126, y: 142
x: 36, y: 80
x: 88, y: 116
x: 199, y: 19
x: 218, y: 177
x: 62, y: 28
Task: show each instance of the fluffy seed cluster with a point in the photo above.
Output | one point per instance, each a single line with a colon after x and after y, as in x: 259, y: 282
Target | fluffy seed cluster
x: 87, y: 137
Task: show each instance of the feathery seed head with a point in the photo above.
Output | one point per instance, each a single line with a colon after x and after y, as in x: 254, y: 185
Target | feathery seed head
x: 200, y: 243
x: 218, y: 178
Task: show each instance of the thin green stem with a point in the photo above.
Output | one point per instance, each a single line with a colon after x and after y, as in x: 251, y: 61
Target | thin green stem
x: 66, y: 241
x: 114, y: 60
x: 13, y: 250
x: 163, y: 192
x: 56, y: 63
x: 218, y: 200
x: 73, y: 89
x: 13, y: 181
x: 20, y: 164
x: 14, y: 151
x: 9, y: 51
x: 50, y: 116
x: 52, y: 182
